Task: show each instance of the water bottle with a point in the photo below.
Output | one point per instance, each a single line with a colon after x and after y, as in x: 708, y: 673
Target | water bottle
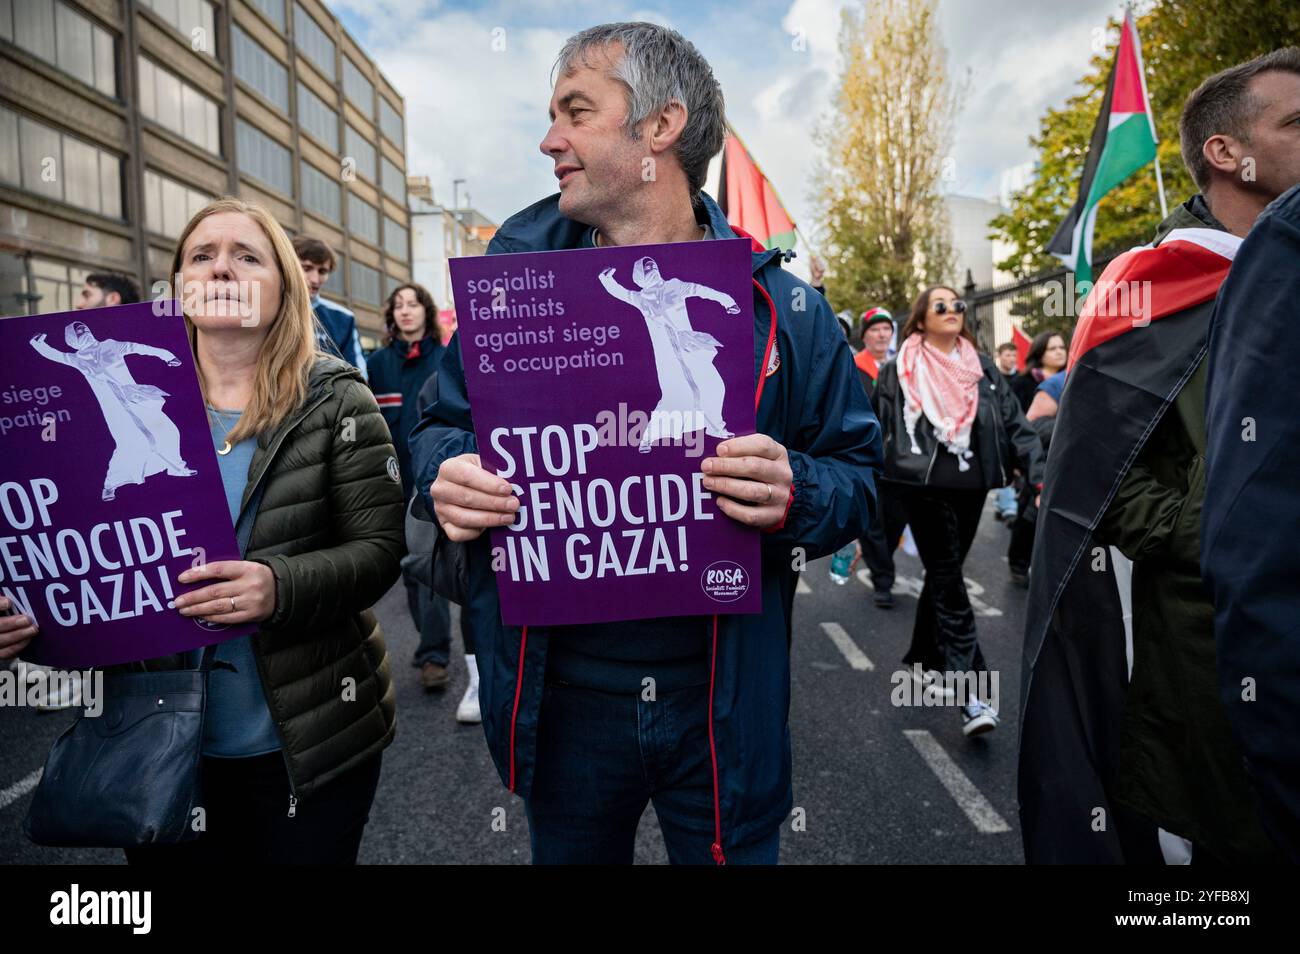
x: 840, y: 563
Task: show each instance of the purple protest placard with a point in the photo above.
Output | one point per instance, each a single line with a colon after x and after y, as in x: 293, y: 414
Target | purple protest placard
x: 599, y: 380
x: 110, y: 487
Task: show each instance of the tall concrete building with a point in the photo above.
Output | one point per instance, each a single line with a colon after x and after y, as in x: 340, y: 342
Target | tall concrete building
x: 439, y: 234
x: 976, y: 254
x: 121, y: 118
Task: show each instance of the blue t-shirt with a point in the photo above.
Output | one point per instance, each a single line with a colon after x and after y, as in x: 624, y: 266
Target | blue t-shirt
x: 1053, y: 386
x: 237, y: 723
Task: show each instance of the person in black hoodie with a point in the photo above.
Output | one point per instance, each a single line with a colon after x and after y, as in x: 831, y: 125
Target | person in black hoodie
x: 952, y: 431
x: 397, y: 373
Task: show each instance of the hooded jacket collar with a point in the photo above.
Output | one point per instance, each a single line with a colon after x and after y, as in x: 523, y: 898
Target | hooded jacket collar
x: 1192, y: 214
x: 541, y: 228
x: 423, y: 347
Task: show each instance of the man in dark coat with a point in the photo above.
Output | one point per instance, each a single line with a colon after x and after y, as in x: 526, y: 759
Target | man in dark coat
x: 563, y: 710
x: 1105, y: 760
x: 1249, y: 553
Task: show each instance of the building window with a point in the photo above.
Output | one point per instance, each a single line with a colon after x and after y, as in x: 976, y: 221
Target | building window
x: 255, y: 65
x: 315, y: 116
x: 176, y: 105
x: 320, y: 193
x: 358, y: 89
x: 391, y: 284
x: 390, y: 121
x: 260, y: 156
x: 395, y: 238
x: 194, y: 18
x: 15, y: 296
x: 394, y: 182
x: 314, y: 42
x: 62, y: 37
x: 334, y: 284
x: 169, y: 205
x: 361, y: 151
x: 365, y: 283
x: 363, y: 218
x: 273, y: 10
x: 47, y: 162
x: 58, y: 285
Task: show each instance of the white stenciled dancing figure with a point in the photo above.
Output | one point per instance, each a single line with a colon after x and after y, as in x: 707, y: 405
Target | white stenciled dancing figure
x: 146, y: 441
x: 691, y: 390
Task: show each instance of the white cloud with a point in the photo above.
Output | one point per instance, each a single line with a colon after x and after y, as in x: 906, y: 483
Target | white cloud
x: 474, y: 111
x: 1020, y: 58
x: 477, y: 114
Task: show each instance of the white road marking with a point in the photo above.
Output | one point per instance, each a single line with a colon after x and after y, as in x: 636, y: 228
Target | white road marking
x: 974, y: 591
x: 845, y: 644
x: 801, y: 587
x: 19, y: 788
x: 963, y: 791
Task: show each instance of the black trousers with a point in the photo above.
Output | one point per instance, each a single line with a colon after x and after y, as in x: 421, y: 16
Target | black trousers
x: 247, y: 815
x: 881, y: 540
x: 943, y: 524
x: 1020, y: 549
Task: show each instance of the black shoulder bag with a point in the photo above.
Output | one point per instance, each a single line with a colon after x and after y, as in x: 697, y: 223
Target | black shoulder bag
x: 130, y: 776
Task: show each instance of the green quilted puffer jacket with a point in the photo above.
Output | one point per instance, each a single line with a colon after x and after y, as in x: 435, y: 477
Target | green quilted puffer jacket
x: 330, y: 527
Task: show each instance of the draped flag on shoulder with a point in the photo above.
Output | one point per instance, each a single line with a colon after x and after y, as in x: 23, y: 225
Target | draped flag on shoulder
x: 748, y: 200
x: 1123, y: 141
x: 1145, y: 284
x: 1142, y: 332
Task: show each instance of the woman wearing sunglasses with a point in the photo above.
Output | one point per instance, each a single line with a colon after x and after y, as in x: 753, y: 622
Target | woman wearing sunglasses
x: 953, y: 431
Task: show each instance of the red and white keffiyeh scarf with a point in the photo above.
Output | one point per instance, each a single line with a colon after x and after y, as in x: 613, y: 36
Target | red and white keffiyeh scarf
x: 943, y: 387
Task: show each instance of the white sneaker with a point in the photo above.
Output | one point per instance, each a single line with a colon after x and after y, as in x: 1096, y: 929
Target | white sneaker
x: 978, y: 718
x: 468, y: 711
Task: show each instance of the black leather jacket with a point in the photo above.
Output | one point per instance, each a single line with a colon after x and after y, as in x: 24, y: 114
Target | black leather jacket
x: 1004, y: 441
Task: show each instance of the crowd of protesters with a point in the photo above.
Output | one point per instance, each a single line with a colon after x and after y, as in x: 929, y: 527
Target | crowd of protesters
x: 1141, y: 520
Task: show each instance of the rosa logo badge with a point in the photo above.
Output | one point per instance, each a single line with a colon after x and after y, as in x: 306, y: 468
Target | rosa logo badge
x: 725, y: 581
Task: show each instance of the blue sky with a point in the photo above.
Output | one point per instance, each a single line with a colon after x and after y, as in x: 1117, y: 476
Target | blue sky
x: 477, y: 111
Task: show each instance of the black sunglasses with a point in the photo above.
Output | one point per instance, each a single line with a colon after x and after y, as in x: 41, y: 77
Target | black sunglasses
x: 941, y: 307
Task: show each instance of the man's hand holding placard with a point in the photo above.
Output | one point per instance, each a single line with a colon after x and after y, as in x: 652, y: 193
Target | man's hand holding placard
x: 468, y: 499
x: 751, y: 477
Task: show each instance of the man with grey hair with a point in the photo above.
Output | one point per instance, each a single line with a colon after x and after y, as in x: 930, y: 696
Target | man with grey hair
x: 636, y: 115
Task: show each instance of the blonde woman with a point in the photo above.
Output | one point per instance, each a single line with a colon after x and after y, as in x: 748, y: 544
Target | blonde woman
x: 296, y: 722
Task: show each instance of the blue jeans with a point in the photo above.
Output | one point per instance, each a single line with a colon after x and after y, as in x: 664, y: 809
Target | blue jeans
x: 431, y: 614
x: 602, y: 757
x: 1006, y: 501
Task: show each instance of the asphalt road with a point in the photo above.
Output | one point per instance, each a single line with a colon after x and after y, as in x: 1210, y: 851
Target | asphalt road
x: 873, y: 782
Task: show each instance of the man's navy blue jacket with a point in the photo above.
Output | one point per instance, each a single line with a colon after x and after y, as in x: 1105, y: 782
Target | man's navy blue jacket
x: 812, y: 404
x: 1249, y: 559
x: 337, y: 333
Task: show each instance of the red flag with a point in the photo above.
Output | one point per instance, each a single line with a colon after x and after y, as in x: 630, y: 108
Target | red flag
x: 748, y: 199
x: 1022, y: 346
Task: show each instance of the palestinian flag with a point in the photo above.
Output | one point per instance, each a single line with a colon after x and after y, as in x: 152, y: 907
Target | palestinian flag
x: 748, y: 200
x: 1123, y: 141
x: 1143, y: 330
x: 1022, y: 343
